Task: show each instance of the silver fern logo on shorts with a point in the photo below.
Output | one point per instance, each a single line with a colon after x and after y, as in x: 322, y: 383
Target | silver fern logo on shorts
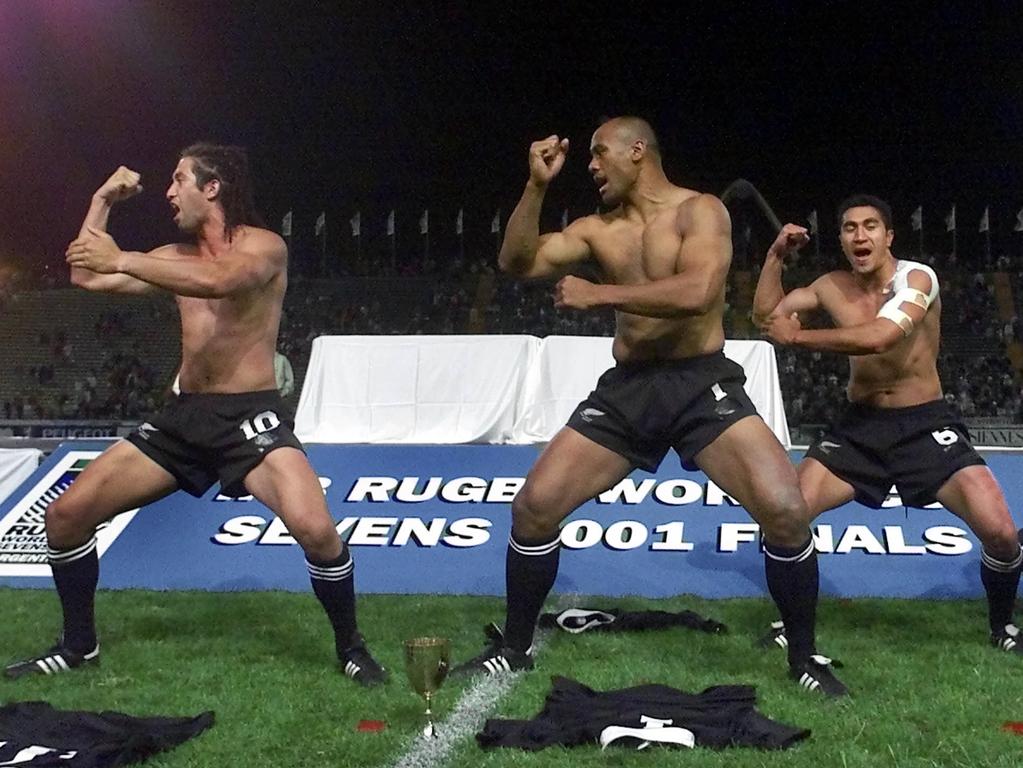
x: 589, y: 414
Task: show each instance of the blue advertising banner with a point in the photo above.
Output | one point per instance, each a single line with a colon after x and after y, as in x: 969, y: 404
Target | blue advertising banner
x: 435, y: 519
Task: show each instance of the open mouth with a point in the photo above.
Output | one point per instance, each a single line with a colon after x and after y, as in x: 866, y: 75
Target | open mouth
x: 861, y: 253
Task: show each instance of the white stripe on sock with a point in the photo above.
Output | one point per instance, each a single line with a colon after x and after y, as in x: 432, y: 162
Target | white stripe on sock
x: 331, y: 574
x: 62, y: 557
x: 1000, y: 565
x: 534, y: 550
x: 345, y: 566
x: 806, y: 552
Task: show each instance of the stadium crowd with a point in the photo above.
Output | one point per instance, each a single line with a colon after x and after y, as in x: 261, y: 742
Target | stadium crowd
x: 115, y: 374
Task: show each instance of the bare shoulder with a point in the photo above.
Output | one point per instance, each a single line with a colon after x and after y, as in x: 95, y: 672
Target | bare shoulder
x: 261, y: 241
x: 704, y: 211
x: 836, y: 281
x: 599, y: 219
x: 588, y: 227
x: 175, y: 251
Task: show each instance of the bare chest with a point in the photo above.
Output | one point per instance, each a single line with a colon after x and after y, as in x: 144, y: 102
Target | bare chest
x: 633, y: 252
x: 204, y: 317
x: 853, y: 306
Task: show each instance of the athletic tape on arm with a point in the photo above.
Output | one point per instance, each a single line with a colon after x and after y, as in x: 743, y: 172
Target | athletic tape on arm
x: 904, y: 294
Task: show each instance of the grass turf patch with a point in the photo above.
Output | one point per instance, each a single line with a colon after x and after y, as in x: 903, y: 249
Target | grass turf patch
x: 927, y: 688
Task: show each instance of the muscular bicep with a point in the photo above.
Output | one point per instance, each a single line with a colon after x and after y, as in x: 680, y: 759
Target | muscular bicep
x: 115, y: 283
x: 119, y: 282
x: 557, y: 252
x: 171, y: 252
x: 799, y: 300
x: 706, y: 250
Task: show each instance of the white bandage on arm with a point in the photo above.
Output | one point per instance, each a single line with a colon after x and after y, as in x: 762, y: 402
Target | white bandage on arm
x: 892, y: 309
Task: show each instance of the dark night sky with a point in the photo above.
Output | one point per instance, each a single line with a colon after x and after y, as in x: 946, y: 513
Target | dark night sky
x: 368, y: 106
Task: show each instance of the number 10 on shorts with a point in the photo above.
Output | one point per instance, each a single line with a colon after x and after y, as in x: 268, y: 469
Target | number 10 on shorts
x: 264, y: 422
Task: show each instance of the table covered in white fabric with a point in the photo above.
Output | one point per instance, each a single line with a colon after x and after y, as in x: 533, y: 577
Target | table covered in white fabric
x: 475, y: 389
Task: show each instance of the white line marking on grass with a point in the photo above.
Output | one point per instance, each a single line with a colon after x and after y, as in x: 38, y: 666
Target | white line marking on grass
x: 473, y: 707
x: 466, y: 719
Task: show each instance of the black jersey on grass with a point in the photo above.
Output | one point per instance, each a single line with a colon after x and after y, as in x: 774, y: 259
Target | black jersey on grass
x: 574, y: 714
x: 35, y: 734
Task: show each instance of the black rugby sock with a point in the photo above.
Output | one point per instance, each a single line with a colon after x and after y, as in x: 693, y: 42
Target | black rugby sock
x: 334, y: 584
x: 530, y: 569
x: 76, y: 573
x: 1000, y: 580
x: 793, y: 581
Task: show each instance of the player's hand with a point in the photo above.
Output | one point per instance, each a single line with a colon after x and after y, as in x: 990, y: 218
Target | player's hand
x: 122, y: 184
x: 95, y: 251
x: 782, y: 328
x: 791, y: 238
x: 546, y: 158
x: 575, y: 293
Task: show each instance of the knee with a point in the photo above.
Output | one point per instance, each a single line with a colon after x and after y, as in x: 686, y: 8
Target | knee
x: 318, y: 538
x: 535, y: 514
x: 785, y: 519
x: 1002, y: 542
x: 64, y: 524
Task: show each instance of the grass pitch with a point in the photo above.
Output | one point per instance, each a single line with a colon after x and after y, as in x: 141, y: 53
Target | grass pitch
x: 927, y: 688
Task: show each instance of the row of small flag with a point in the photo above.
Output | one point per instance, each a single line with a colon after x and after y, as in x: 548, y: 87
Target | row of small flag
x: 916, y: 220
x: 355, y: 222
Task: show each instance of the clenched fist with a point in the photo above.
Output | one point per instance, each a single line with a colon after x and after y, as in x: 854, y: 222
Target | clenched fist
x: 573, y: 292
x: 791, y: 238
x: 122, y: 184
x: 782, y: 329
x: 546, y: 158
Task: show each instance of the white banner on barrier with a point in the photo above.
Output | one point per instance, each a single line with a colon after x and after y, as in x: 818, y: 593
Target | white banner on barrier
x: 476, y: 389
x: 16, y: 464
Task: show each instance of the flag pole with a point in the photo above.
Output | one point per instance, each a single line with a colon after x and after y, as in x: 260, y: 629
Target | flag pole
x: 323, y: 251
x: 394, y: 236
x: 987, y: 233
x: 460, y: 230
x: 955, y: 236
x: 356, y: 224
x: 424, y: 230
x: 286, y: 233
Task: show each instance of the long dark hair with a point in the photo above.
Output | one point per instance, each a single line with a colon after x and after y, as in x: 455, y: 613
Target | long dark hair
x: 229, y: 166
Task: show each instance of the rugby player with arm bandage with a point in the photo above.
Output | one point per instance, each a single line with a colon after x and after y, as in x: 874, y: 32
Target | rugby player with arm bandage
x: 897, y: 427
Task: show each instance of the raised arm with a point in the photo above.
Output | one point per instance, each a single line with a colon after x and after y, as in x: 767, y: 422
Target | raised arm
x: 770, y: 293
x: 122, y: 184
x: 896, y: 320
x: 700, y: 270
x: 252, y: 259
x: 524, y: 252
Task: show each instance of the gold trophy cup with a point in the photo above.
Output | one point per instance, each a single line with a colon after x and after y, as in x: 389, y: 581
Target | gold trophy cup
x: 427, y: 660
